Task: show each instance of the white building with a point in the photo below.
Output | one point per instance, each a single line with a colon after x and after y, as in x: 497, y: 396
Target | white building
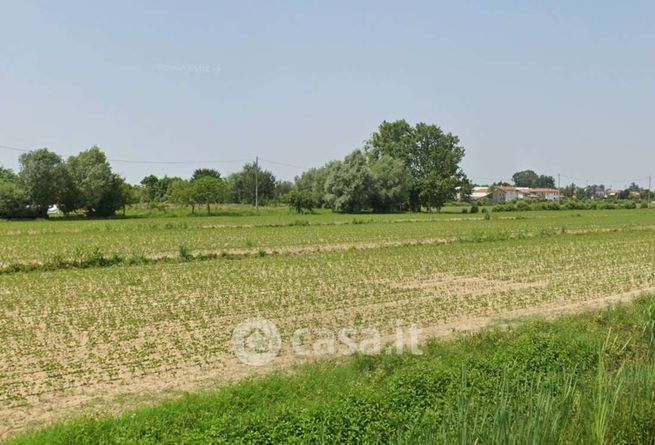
x: 479, y: 193
x: 546, y: 193
x: 507, y: 193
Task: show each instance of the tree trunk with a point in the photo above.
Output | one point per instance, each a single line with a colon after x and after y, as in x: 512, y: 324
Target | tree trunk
x: 208, y: 209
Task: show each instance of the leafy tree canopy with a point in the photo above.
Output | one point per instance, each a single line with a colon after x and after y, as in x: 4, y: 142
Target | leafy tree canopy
x: 528, y: 178
x: 432, y: 156
x: 201, y: 172
x: 43, y: 177
x: 242, y: 184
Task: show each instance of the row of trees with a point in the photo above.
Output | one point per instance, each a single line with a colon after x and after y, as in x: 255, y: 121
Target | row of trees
x: 356, y: 184
x: 84, y: 183
x: 633, y: 191
x: 207, y: 187
x: 401, y: 167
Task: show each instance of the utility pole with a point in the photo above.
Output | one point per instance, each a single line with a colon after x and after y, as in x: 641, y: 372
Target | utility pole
x: 256, y: 183
x: 650, y: 180
x: 559, y: 187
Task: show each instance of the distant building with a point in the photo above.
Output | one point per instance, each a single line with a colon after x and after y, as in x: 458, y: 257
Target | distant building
x: 508, y: 193
x: 546, y: 193
x: 479, y: 193
x: 505, y: 193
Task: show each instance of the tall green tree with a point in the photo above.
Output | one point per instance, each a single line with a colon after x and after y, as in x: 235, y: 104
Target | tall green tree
x: 13, y: 198
x: 207, y: 191
x: 182, y: 194
x: 437, y: 170
x: 131, y: 194
x: 113, y: 198
x: 529, y: 178
x: 432, y: 156
x: 157, y: 190
x: 242, y: 184
x: 395, y: 139
x: 7, y: 174
x: 43, y: 177
x: 391, y: 184
x: 349, y: 186
x: 201, y: 172
x: 282, y: 189
x: 91, y: 185
x: 313, y: 181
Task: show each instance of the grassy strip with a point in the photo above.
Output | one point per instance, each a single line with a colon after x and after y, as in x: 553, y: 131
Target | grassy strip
x: 583, y: 379
x: 84, y: 258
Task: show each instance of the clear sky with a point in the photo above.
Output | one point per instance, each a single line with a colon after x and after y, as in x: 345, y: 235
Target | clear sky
x: 560, y: 87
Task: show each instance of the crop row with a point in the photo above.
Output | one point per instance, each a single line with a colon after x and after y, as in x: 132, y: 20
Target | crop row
x: 74, y: 328
x: 70, y: 240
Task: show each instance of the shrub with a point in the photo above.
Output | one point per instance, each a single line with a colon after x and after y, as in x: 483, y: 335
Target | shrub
x: 522, y: 206
x: 184, y: 252
x: 300, y: 201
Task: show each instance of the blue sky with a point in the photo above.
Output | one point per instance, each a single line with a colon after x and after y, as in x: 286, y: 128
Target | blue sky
x: 560, y: 87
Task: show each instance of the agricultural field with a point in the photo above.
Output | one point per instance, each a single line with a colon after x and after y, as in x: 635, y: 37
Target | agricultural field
x: 106, y: 336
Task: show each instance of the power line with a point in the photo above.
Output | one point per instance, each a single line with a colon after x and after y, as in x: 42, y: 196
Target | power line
x: 7, y: 147
x: 131, y: 161
x: 139, y: 161
x: 285, y: 164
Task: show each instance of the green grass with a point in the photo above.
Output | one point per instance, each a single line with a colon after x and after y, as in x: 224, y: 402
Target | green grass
x: 93, y: 304
x: 135, y: 319
x: 583, y: 379
x: 30, y: 241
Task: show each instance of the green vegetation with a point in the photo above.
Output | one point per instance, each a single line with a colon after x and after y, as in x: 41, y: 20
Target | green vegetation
x: 95, y: 308
x: 529, y: 178
x: 399, y: 168
x: 584, y: 379
x: 37, y: 241
x: 569, y: 204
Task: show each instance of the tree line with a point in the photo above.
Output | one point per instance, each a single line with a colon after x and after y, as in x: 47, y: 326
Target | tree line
x: 206, y: 187
x: 84, y: 182
x: 400, y: 167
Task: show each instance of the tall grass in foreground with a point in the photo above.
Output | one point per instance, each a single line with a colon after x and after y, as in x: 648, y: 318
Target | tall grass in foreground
x: 587, y: 379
